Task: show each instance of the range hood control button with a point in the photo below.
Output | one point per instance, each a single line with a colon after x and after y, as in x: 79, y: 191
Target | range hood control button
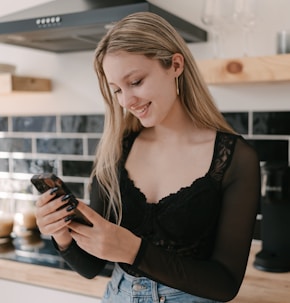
x: 42, y: 22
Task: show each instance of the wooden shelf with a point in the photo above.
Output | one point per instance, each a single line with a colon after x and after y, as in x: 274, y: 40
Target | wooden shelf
x: 10, y: 83
x: 246, y: 69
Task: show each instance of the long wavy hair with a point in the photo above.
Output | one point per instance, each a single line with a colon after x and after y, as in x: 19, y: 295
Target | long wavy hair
x: 150, y: 35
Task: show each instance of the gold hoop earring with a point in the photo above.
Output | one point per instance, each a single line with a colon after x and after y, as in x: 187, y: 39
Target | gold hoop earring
x: 177, y: 86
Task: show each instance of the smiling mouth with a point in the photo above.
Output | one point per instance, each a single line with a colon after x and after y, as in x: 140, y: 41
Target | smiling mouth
x: 140, y: 109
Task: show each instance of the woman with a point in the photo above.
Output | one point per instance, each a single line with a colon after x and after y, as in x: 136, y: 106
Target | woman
x: 174, y: 190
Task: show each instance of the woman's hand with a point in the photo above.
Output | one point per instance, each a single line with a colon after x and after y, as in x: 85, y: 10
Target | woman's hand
x: 104, y: 240
x: 51, y: 218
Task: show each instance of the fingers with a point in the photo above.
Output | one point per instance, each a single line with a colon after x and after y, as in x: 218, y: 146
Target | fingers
x: 90, y: 214
x: 49, y: 220
x: 46, y: 197
x: 99, y: 223
x: 51, y: 226
x: 53, y: 213
x: 48, y: 202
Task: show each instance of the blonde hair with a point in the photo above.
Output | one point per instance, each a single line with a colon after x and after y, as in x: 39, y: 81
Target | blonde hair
x: 150, y: 35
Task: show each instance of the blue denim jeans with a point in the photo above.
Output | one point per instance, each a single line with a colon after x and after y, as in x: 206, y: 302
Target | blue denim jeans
x: 124, y: 288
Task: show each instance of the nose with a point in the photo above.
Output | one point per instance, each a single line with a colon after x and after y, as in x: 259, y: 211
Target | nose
x: 126, y: 99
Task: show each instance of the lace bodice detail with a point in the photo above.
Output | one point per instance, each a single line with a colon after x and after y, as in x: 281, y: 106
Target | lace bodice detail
x: 185, y: 221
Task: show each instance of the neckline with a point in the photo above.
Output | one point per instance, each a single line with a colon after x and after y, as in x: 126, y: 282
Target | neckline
x: 181, y: 189
x: 166, y: 198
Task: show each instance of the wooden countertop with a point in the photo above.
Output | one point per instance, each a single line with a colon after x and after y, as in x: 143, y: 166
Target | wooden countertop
x: 261, y: 286
x: 258, y: 286
x: 60, y: 279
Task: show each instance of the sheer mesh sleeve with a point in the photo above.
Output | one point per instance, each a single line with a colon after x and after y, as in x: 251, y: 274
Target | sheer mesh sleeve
x: 79, y: 260
x: 220, y: 277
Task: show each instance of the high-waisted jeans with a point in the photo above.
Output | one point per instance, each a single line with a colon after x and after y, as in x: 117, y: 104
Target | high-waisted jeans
x: 124, y: 288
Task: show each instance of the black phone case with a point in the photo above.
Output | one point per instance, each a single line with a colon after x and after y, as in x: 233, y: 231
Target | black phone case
x: 46, y: 181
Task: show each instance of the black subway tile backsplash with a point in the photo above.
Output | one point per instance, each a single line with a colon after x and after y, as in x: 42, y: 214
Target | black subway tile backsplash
x: 3, y: 124
x: 92, y: 145
x: 76, y: 188
x: 66, y: 145
x: 63, y: 145
x: 77, y: 168
x: 268, y: 123
x: 238, y: 121
x: 82, y: 124
x: 13, y: 185
x: 16, y: 145
x: 271, y: 150
x: 4, y: 166
x: 34, y: 166
x: 34, y: 124
x: 60, y: 146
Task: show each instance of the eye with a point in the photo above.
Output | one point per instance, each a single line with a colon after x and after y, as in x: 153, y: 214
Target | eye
x: 136, y: 83
x: 116, y: 91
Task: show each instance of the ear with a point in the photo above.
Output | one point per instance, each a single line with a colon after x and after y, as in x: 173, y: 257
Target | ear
x: 177, y: 64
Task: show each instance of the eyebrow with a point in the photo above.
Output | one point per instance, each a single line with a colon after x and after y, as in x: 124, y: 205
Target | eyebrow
x: 126, y: 76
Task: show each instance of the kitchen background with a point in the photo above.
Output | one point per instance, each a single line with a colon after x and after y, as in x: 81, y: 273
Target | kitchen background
x: 58, y: 131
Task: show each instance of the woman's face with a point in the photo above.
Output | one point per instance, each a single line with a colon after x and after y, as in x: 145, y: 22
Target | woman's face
x: 142, y: 86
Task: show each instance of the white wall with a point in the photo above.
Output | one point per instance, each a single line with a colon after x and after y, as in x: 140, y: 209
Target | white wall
x: 75, y: 88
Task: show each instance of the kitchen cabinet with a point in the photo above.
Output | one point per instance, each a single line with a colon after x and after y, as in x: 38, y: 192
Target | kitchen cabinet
x: 51, y: 278
x: 10, y: 83
x: 14, y: 292
x: 246, y: 69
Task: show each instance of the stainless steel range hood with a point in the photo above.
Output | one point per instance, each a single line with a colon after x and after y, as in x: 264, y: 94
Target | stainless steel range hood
x: 77, y: 25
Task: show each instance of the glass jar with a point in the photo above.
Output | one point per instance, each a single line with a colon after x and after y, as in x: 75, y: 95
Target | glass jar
x: 24, y: 218
x: 6, y: 218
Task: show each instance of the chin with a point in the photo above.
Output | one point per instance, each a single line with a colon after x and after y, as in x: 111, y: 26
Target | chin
x: 147, y: 124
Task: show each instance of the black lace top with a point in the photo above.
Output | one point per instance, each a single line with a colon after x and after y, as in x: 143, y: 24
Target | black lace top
x: 197, y: 239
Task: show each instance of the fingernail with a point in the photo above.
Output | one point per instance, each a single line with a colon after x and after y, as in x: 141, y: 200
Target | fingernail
x: 71, y: 207
x: 74, y: 201
x: 66, y: 197
x: 68, y: 218
x: 53, y: 190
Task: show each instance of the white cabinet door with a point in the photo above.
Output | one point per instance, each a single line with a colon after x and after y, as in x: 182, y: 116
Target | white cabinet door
x: 13, y: 292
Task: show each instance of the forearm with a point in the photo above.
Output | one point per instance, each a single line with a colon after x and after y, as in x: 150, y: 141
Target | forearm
x: 80, y: 261
x: 205, y: 278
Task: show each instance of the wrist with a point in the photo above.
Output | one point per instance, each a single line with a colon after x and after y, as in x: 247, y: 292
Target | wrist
x: 62, y: 240
x: 132, y: 249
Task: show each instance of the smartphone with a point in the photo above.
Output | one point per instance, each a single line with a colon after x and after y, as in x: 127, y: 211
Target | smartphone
x: 46, y: 181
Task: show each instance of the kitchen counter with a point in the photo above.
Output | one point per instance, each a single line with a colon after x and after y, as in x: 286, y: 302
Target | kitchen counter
x: 33, y: 260
x: 258, y: 286
x: 261, y: 286
x: 49, y: 277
